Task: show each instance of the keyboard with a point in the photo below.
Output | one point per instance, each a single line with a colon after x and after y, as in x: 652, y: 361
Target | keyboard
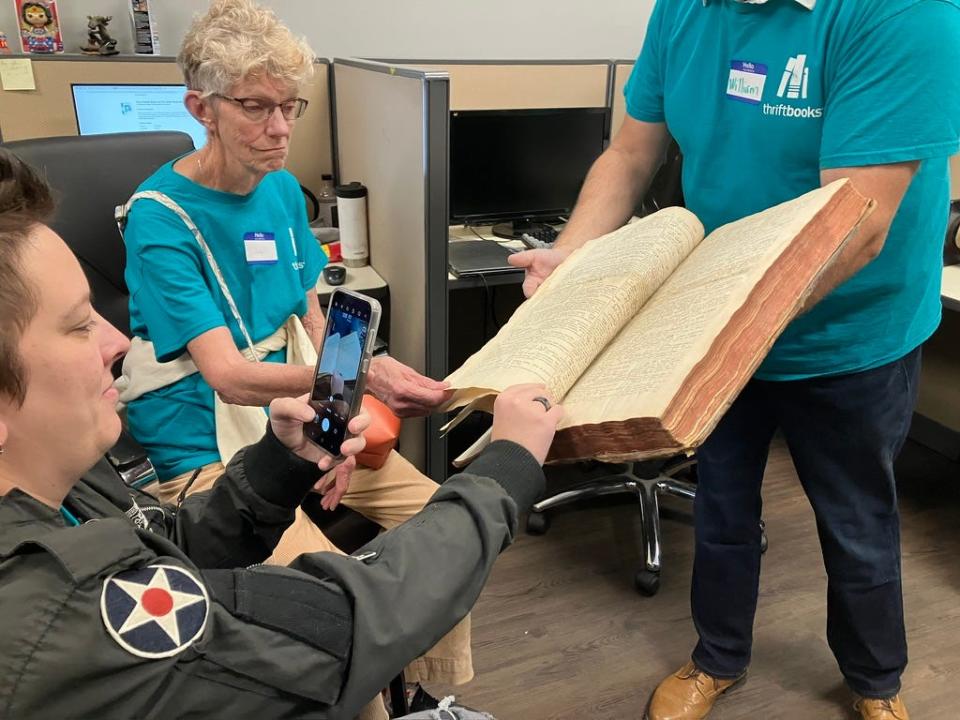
x: 541, y: 237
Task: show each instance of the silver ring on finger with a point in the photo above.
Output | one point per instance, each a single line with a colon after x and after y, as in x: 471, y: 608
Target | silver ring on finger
x: 543, y: 401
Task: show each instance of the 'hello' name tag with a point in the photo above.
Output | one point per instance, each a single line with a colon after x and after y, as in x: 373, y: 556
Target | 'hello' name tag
x: 746, y: 81
x: 260, y: 247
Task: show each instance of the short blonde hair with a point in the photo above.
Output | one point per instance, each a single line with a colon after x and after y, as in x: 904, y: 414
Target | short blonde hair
x: 238, y: 39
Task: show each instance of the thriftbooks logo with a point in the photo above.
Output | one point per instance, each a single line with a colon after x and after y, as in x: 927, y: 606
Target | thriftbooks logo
x: 794, y: 85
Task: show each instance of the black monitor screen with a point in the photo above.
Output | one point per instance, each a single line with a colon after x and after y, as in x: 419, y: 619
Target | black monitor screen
x: 521, y: 163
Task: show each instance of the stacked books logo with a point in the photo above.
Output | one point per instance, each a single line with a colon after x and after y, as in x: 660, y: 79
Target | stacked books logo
x: 793, y: 84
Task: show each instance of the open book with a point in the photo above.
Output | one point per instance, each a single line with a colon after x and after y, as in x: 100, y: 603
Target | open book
x: 649, y: 333
x: 341, y: 356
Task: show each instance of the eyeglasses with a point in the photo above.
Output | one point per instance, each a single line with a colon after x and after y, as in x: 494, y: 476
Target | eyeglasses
x: 259, y: 110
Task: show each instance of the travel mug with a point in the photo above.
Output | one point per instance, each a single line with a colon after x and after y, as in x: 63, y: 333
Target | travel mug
x: 352, y: 212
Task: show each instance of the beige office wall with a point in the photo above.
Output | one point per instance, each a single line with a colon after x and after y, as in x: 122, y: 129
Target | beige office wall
x: 955, y: 177
x: 385, y: 151
x: 517, y: 86
x: 48, y: 110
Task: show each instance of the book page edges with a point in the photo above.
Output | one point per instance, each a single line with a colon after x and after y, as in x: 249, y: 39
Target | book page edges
x: 686, y: 421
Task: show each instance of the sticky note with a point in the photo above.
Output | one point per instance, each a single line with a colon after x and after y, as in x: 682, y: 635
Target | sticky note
x: 17, y: 74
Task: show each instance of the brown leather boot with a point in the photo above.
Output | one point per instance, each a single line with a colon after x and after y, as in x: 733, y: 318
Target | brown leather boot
x: 688, y: 694
x: 886, y: 709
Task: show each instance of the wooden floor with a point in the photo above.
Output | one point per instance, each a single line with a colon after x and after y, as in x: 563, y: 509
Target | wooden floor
x: 559, y: 632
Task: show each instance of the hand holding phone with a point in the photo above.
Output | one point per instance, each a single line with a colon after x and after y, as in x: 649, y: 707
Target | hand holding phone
x: 288, y: 416
x: 340, y: 376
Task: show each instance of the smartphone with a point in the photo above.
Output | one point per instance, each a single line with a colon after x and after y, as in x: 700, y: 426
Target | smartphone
x: 340, y: 377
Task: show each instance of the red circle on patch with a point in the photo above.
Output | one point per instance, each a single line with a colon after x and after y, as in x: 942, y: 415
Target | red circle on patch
x: 157, y: 602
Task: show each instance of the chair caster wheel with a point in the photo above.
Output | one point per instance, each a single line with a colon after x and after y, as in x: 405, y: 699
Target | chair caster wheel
x: 647, y: 583
x: 537, y: 523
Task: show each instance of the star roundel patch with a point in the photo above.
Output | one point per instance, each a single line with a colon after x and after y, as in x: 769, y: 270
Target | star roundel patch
x: 154, y: 612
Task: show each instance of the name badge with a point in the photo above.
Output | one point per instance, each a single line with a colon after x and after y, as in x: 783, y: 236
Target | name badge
x: 260, y: 247
x: 746, y: 81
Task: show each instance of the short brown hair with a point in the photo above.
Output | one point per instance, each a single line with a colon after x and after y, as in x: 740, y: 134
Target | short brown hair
x: 25, y: 200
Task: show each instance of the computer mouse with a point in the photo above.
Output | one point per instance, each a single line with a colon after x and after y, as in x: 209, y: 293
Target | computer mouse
x: 334, y: 274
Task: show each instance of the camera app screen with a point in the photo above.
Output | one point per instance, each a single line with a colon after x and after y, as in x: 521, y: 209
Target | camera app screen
x: 348, y: 322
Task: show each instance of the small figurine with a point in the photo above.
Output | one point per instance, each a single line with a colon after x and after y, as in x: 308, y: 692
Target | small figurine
x: 4, y: 46
x: 99, y: 41
x: 39, y: 26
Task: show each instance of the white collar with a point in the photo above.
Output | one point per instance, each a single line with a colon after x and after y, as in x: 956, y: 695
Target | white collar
x: 808, y: 4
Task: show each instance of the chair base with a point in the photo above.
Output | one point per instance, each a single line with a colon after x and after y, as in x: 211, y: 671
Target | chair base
x: 663, y: 481
x: 647, y: 481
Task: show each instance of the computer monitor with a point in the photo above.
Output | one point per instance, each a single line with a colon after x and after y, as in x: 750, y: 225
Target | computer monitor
x: 133, y: 108
x: 521, y: 165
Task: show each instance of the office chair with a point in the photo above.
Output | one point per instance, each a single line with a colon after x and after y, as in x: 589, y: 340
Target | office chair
x: 89, y: 176
x: 645, y: 480
x: 951, y: 246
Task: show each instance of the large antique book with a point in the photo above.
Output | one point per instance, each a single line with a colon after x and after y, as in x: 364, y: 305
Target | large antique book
x: 648, y: 334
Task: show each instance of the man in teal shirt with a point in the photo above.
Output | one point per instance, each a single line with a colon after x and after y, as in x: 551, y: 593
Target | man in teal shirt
x: 769, y: 99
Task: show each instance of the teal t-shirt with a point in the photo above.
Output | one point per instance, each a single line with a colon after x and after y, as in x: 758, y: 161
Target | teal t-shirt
x: 761, y: 97
x: 174, y: 296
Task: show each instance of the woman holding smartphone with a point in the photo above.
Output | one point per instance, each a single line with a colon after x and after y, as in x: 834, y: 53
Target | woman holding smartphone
x: 127, y: 607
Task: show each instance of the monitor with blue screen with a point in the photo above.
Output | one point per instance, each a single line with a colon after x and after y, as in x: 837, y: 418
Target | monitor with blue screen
x: 133, y: 108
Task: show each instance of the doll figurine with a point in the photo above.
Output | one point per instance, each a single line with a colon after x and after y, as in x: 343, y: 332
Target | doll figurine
x: 39, y: 28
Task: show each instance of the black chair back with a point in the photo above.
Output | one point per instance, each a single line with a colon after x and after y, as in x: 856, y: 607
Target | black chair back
x: 91, y: 175
x: 666, y: 188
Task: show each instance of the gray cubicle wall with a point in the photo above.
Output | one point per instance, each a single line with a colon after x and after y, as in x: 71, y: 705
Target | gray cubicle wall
x: 391, y: 133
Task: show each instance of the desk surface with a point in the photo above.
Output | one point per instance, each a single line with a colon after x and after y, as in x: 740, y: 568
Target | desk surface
x: 461, y: 233
x: 361, y: 279
x: 950, y: 293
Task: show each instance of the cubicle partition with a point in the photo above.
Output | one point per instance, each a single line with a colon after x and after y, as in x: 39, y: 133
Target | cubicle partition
x: 621, y: 73
x: 48, y: 110
x: 391, y: 126
x: 522, y: 84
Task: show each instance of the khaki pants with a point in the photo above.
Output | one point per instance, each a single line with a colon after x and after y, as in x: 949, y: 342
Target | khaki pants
x: 388, y: 497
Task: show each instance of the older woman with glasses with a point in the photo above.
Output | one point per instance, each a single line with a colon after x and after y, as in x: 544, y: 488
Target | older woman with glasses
x: 222, y: 269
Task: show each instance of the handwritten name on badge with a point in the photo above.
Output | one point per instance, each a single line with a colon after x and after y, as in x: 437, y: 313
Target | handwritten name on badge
x: 260, y: 247
x: 746, y: 81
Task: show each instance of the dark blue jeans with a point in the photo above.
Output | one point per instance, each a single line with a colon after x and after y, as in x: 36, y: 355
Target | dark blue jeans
x: 844, y: 433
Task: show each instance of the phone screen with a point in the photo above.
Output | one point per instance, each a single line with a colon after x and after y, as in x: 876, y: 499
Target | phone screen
x: 341, y: 358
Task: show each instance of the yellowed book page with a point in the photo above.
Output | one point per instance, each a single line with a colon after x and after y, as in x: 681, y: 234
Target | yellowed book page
x: 554, y: 336
x: 640, y: 371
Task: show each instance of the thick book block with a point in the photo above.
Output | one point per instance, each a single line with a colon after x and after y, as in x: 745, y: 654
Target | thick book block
x: 648, y: 333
